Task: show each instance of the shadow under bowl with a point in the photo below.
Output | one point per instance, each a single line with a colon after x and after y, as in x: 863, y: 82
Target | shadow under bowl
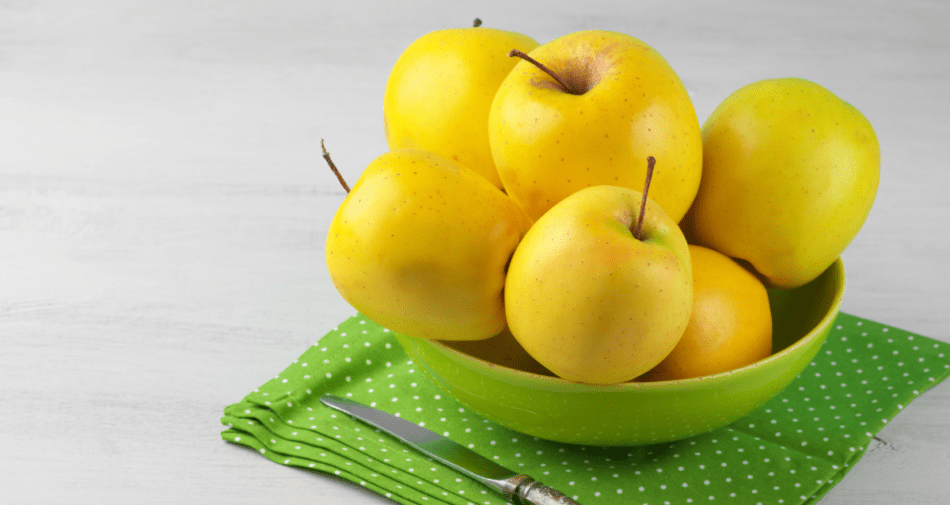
x: 639, y: 413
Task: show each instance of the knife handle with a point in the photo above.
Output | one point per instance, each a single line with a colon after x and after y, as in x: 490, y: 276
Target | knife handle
x: 532, y: 492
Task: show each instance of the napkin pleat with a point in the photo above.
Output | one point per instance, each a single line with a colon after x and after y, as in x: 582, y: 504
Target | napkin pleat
x: 791, y: 450
x: 403, y: 488
x: 382, y: 486
x: 345, y: 451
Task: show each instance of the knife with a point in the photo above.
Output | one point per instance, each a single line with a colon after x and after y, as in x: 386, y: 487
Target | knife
x: 511, y: 485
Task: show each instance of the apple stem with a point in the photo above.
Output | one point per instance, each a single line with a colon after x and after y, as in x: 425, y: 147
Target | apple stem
x: 339, y: 176
x: 477, y: 23
x: 651, y: 161
x: 523, y: 56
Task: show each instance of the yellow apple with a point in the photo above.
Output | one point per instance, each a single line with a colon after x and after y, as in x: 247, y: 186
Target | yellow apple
x: 440, y: 90
x: 624, y: 103
x: 588, y: 299
x: 420, y: 246
x: 730, y: 325
x: 790, y: 172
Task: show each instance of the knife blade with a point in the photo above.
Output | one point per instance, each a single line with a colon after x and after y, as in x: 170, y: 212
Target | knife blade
x: 512, y: 486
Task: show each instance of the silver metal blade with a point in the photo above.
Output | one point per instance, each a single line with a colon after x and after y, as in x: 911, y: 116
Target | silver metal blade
x: 425, y: 441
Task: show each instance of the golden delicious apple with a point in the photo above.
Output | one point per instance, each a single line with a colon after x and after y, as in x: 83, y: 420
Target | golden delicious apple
x: 790, y: 172
x: 420, y: 246
x: 439, y: 93
x: 730, y: 325
x: 588, y: 299
x: 622, y: 102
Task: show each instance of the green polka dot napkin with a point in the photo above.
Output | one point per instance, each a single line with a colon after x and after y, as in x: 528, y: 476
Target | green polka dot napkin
x: 791, y: 450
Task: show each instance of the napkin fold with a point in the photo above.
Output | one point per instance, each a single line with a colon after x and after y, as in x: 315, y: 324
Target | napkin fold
x: 791, y: 450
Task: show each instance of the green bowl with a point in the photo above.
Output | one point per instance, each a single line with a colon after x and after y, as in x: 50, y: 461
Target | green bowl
x: 639, y: 413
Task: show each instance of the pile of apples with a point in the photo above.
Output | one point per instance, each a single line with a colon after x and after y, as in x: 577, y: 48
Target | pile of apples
x: 508, y: 218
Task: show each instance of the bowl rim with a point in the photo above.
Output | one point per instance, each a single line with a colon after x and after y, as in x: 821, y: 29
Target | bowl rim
x: 562, y: 385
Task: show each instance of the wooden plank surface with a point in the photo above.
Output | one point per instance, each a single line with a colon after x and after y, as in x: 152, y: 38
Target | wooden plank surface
x: 163, y: 210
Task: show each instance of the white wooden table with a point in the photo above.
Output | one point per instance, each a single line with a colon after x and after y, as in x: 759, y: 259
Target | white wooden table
x: 163, y: 209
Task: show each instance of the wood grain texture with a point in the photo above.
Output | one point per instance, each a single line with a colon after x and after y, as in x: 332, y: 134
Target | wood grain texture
x: 163, y: 209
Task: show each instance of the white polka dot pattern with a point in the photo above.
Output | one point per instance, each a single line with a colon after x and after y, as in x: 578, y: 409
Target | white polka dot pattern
x: 791, y: 450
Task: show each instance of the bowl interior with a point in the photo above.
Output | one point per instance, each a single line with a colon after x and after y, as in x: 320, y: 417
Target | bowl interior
x: 637, y: 413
